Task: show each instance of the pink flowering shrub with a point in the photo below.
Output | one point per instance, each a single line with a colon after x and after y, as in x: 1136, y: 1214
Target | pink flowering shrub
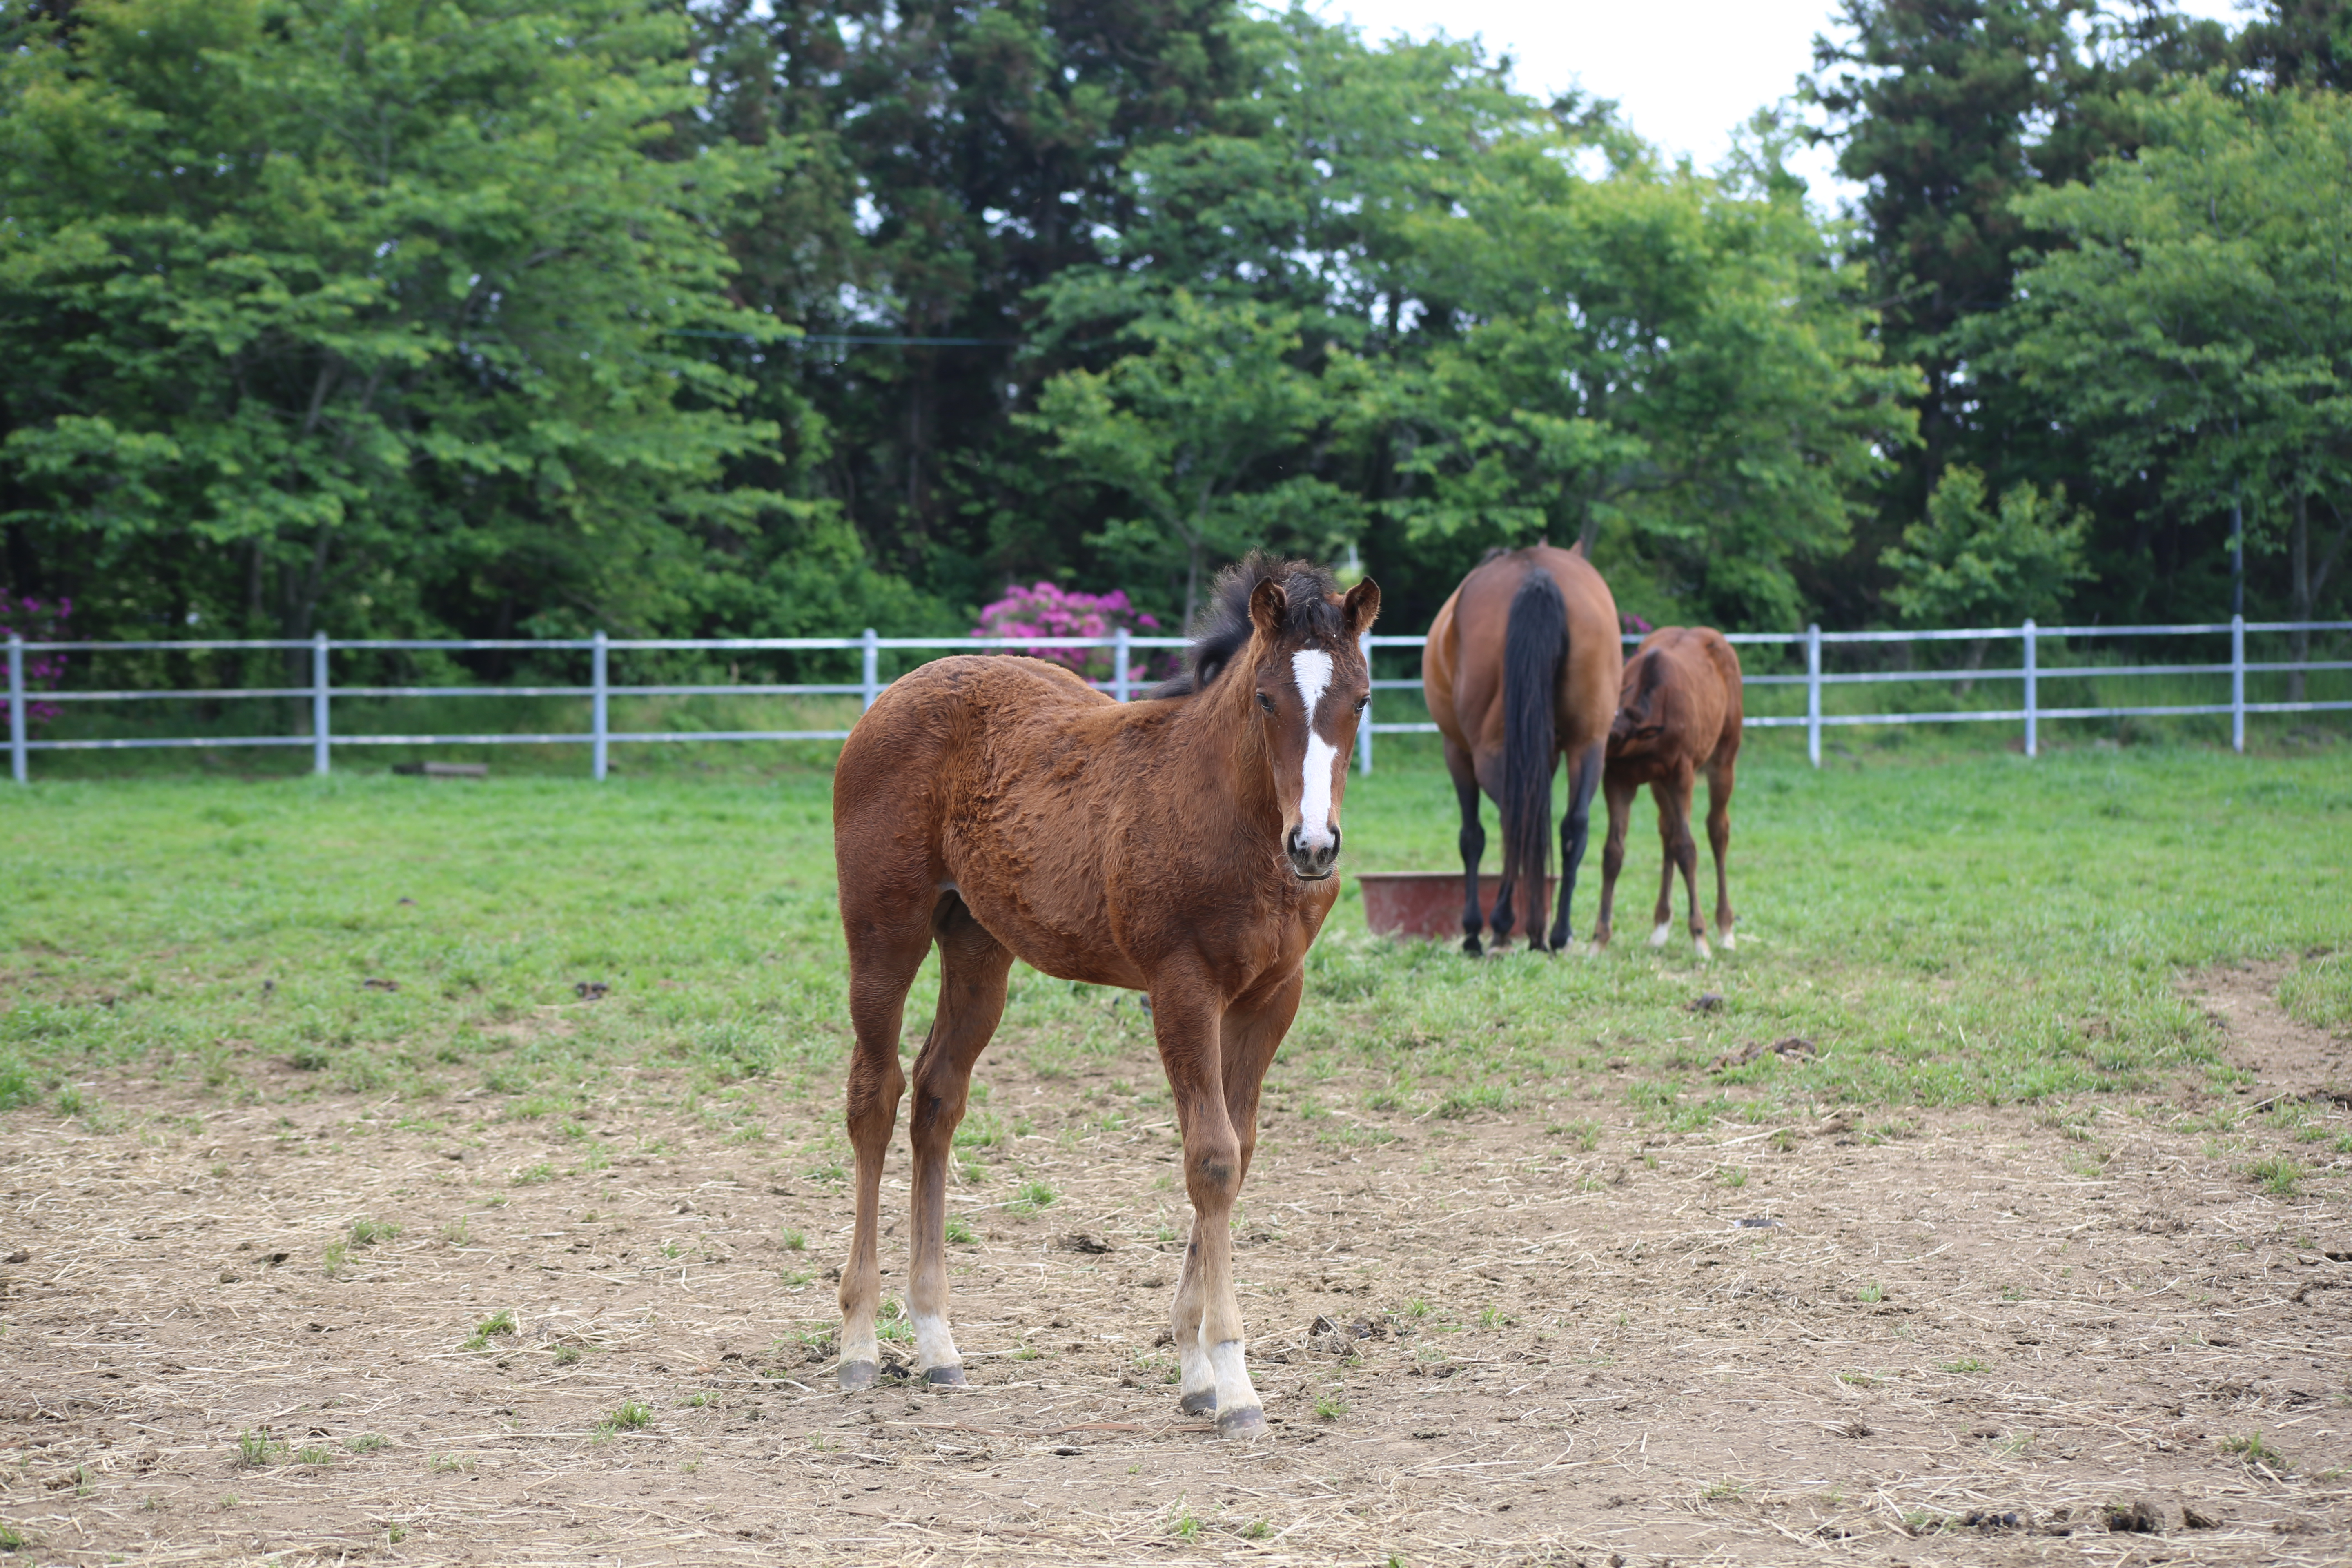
x: 1047, y: 611
x: 1633, y: 625
x: 35, y: 622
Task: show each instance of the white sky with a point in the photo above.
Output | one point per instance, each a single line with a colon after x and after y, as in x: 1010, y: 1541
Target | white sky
x: 1686, y: 72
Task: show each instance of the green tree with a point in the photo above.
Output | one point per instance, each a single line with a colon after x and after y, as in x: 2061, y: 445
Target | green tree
x: 1970, y: 565
x: 1671, y: 368
x: 2198, y: 328
x: 1945, y: 111
x: 372, y: 310
x: 963, y: 155
x: 2298, y: 43
x: 1213, y: 396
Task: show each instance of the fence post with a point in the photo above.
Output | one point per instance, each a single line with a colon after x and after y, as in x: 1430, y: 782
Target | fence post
x: 319, y: 702
x: 2032, y: 718
x: 1364, y: 725
x: 873, y: 667
x: 16, y: 707
x: 597, y: 711
x: 1813, y: 692
x: 1118, y: 663
x: 2237, y: 683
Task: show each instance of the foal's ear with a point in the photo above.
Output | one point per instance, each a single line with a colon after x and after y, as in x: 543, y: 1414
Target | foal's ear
x: 1268, y: 605
x: 1362, y: 607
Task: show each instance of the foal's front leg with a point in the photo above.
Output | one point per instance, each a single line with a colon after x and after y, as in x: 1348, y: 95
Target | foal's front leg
x: 1207, y: 1319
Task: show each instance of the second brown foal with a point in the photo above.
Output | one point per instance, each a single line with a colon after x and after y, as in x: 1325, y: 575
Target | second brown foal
x: 1678, y: 712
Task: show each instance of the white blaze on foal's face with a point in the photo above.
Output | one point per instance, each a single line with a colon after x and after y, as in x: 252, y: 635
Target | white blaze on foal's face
x: 1312, y: 669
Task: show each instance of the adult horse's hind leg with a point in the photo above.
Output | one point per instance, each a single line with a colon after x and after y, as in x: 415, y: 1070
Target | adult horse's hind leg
x: 1472, y: 841
x: 887, y: 939
x: 1583, y: 777
x: 972, y: 968
x: 1718, y: 837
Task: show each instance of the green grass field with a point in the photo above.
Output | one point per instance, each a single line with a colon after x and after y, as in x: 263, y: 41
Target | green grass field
x: 1961, y: 928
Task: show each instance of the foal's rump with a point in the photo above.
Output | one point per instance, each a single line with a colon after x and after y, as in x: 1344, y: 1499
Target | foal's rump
x: 984, y: 776
x: 1681, y: 696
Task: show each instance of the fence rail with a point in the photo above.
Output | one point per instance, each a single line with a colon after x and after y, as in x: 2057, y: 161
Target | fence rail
x: 601, y: 737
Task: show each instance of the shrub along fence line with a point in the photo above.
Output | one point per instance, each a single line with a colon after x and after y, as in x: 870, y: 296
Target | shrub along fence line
x: 2029, y: 673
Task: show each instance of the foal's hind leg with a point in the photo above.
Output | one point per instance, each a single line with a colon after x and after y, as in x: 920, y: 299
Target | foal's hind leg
x: 887, y: 939
x: 1719, y: 838
x: 1620, y: 796
x: 1673, y: 797
x: 972, y: 967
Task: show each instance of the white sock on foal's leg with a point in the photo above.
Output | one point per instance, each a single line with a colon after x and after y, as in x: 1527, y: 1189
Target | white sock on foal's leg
x: 936, y: 1357
x: 1240, y: 1412
x: 1197, y: 1393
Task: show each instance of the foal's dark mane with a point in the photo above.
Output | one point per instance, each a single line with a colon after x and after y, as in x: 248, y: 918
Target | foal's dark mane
x: 1223, y: 628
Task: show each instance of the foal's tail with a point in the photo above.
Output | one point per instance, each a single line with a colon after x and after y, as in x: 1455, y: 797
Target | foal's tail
x: 1535, y: 645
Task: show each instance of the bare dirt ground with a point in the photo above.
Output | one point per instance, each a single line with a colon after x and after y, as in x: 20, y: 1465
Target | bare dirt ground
x: 1551, y: 1336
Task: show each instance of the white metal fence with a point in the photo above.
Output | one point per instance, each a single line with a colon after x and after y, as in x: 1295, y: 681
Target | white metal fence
x: 599, y: 737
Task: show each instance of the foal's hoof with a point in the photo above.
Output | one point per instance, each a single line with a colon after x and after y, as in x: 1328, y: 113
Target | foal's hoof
x: 1248, y: 1422
x: 945, y: 1377
x: 1202, y: 1404
x: 860, y: 1374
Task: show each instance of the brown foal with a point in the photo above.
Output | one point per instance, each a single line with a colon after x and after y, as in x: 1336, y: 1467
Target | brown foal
x: 1184, y: 844
x: 1678, y: 712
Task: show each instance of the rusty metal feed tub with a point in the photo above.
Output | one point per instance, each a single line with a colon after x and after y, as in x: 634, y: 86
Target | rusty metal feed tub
x: 1426, y: 903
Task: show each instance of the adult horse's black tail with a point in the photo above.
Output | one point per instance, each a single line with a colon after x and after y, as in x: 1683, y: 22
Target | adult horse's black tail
x: 1535, y: 645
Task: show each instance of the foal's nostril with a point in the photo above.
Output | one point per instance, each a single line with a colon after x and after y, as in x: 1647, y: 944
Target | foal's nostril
x: 1314, y: 863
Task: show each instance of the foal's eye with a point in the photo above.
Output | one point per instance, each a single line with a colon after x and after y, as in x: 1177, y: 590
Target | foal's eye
x: 1363, y: 702
x: 1265, y: 702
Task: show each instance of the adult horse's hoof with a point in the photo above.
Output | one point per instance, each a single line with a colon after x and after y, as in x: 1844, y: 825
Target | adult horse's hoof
x: 860, y: 1374
x: 1202, y: 1404
x: 1470, y: 946
x: 1248, y: 1422
x: 945, y: 1377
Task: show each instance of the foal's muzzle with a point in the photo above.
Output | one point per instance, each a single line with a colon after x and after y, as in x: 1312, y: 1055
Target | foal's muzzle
x: 1312, y: 865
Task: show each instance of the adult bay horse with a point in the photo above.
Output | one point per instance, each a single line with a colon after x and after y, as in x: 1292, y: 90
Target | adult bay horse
x: 1521, y: 665
x: 1184, y: 845
x: 1678, y: 713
